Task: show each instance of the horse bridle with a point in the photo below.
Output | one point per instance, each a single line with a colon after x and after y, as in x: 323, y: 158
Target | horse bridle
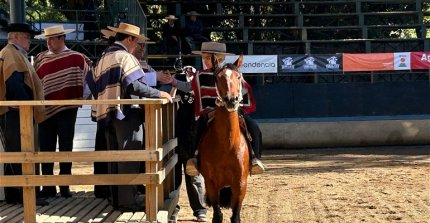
x: 220, y: 100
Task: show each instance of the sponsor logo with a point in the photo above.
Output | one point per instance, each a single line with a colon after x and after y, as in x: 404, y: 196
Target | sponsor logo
x: 287, y: 63
x: 332, y: 63
x: 258, y: 65
x: 402, y: 61
x: 310, y: 64
x: 425, y: 57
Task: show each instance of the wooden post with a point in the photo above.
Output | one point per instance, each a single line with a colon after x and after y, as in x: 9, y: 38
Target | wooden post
x: 27, y: 145
x: 159, y: 134
x: 151, y: 143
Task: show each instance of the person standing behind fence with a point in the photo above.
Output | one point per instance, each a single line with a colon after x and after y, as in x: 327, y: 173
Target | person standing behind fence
x: 18, y: 81
x: 122, y: 124
x: 62, y: 73
x: 171, y: 35
x: 194, y: 31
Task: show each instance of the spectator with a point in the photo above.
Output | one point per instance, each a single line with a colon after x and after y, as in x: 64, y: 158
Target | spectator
x: 194, y: 31
x: 171, y: 35
x: 123, y: 125
x: 62, y: 72
x: 18, y: 81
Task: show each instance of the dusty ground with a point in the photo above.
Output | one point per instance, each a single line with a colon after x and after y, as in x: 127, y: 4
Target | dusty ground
x: 374, y: 184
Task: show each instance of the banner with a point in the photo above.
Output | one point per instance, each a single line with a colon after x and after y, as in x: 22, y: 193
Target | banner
x: 402, y: 61
x: 256, y: 63
x: 368, y: 62
x: 420, y: 60
x: 310, y: 63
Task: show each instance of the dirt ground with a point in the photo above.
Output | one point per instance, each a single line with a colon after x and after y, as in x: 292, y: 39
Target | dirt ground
x: 372, y: 184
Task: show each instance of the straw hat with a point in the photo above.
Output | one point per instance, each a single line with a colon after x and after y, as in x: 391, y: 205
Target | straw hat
x: 20, y: 27
x: 128, y: 29
x: 193, y: 13
x: 171, y: 17
x: 107, y: 33
x: 54, y: 31
x: 145, y: 40
x: 212, y: 47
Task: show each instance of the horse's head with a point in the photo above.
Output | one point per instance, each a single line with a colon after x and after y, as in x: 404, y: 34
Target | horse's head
x: 229, y: 83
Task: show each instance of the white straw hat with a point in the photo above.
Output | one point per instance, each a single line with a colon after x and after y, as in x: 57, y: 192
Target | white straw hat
x: 52, y: 31
x: 171, y: 17
x: 128, y: 29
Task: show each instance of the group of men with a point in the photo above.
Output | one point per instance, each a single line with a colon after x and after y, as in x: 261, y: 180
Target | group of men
x: 62, y: 74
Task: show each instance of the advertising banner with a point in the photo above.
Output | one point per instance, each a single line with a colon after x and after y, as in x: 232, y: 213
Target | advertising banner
x: 368, y: 62
x: 256, y: 63
x: 402, y: 61
x: 310, y: 63
x: 420, y: 60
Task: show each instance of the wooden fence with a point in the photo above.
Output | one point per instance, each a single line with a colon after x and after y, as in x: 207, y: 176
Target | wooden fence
x: 159, y: 157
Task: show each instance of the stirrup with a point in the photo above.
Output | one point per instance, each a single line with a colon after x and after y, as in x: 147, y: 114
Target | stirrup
x: 257, y: 167
x: 191, y: 167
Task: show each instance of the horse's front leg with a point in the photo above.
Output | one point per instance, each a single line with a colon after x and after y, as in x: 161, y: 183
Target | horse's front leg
x: 217, y: 217
x: 235, y: 218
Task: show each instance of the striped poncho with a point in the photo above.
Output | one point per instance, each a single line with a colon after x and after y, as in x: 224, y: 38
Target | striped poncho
x: 113, y: 73
x: 62, y: 77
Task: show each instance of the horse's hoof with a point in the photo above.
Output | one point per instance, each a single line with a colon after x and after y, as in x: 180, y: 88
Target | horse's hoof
x: 191, y: 167
x: 257, y: 167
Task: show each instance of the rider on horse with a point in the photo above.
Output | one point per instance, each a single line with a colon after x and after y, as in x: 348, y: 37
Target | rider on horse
x: 204, y: 89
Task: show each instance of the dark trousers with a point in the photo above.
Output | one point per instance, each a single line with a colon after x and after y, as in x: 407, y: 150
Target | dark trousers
x: 102, y: 191
x: 126, y: 134
x: 61, y: 125
x: 11, y: 131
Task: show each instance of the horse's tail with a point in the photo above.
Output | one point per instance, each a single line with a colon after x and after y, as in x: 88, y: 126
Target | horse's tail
x: 225, y: 197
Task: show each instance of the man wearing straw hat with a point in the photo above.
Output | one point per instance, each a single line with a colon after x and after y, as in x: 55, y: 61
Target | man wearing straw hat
x: 194, y: 31
x: 62, y: 72
x: 18, y: 81
x: 171, y: 35
x: 123, y: 125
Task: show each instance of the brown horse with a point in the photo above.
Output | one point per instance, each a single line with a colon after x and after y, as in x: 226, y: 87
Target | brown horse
x: 223, y: 151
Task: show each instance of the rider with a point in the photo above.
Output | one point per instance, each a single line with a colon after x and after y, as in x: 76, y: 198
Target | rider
x: 204, y: 90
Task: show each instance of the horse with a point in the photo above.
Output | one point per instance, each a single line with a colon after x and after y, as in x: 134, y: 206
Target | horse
x: 223, y: 151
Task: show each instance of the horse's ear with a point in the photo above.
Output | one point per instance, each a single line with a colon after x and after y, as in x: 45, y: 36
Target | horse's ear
x: 239, y: 61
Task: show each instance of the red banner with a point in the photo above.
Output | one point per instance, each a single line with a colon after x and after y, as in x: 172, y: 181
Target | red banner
x: 420, y: 60
x: 368, y: 62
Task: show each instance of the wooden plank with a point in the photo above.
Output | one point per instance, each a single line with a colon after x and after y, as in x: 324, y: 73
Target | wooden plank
x: 8, y: 209
x: 151, y: 132
x: 40, y: 209
x: 138, y: 217
x: 55, y: 217
x: 98, y: 179
x: 169, y: 146
x: 7, y: 217
x: 53, y: 209
x: 112, y: 217
x: 124, y: 217
x: 170, y: 204
x: 27, y: 145
x: 83, y: 206
x: 160, y: 132
x: 95, y: 203
x: 170, y: 165
x: 163, y: 216
x: 98, y: 213
x: 99, y: 156
x: 146, y: 101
